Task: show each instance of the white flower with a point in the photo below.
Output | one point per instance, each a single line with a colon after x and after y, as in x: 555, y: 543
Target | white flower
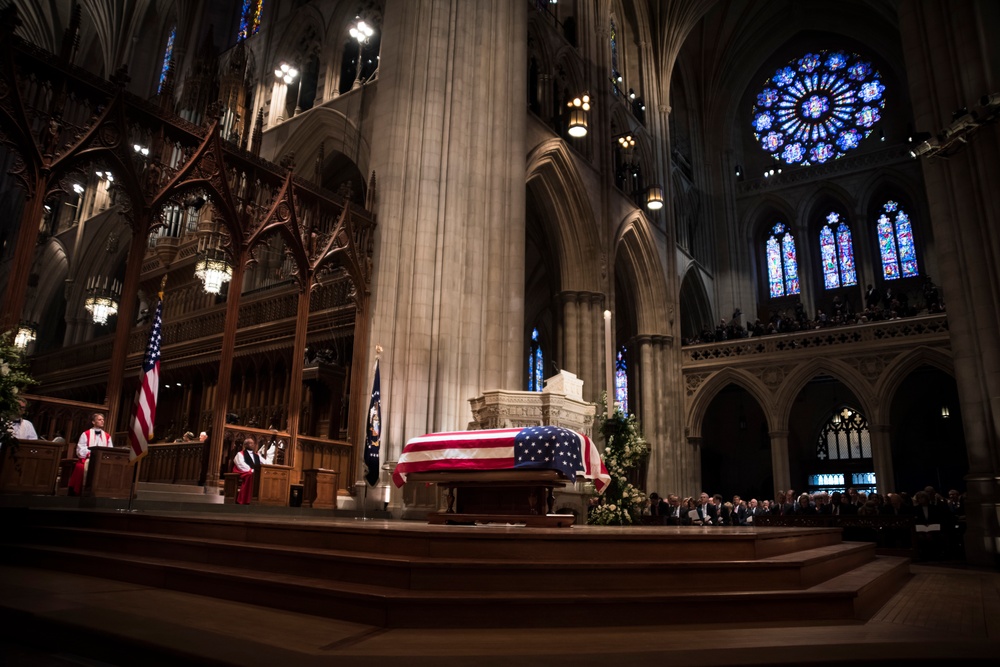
x: 13, y: 390
x: 4, y: 369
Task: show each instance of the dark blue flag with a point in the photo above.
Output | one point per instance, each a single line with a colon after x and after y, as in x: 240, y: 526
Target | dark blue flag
x: 373, y: 433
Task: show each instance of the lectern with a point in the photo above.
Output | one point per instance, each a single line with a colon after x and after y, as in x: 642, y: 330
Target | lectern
x: 110, y: 474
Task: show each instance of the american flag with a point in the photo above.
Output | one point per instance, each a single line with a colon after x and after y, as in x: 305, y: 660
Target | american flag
x: 141, y: 430
x: 548, y: 447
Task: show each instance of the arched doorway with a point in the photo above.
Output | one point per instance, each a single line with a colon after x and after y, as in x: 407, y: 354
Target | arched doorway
x: 928, y: 441
x: 736, y: 448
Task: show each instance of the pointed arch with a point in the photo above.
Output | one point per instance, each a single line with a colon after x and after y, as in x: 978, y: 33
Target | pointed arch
x: 321, y: 125
x: 709, y: 390
x: 554, y: 180
x: 696, y: 309
x: 895, y: 374
x: 839, y: 370
x: 636, y: 251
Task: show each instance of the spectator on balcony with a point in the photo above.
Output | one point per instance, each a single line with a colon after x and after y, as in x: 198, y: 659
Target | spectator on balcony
x: 95, y: 436
x: 872, y: 297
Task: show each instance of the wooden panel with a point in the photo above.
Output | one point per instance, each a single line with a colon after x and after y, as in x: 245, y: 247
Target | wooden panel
x: 320, y: 488
x: 33, y: 470
x: 274, y: 485
x: 110, y: 474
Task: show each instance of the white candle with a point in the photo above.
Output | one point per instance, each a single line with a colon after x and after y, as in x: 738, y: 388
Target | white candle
x: 609, y: 362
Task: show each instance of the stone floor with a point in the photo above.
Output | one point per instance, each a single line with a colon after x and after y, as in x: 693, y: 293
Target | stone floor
x: 59, y: 618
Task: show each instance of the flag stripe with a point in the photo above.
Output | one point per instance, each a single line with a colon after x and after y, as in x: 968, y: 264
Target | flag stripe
x: 548, y: 447
x: 142, y: 426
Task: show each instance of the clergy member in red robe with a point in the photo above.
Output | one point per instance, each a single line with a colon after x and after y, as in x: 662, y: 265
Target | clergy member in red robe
x: 247, y: 464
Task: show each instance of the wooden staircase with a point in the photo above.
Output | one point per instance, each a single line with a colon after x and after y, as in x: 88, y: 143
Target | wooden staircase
x: 403, y: 574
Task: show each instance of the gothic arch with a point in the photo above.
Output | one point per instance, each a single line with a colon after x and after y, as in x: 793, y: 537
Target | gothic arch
x: 758, y: 220
x: 332, y: 127
x: 698, y: 406
x: 554, y: 179
x: 797, y: 380
x: 875, y: 190
x: 696, y: 309
x: 51, y: 282
x: 900, y: 368
x: 635, y: 247
x: 812, y: 208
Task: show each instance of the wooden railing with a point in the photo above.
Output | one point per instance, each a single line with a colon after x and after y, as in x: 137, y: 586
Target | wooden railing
x: 327, y: 454
x: 60, y: 417
x: 175, y: 463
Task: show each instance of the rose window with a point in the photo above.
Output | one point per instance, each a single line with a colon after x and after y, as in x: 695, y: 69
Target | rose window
x: 818, y: 107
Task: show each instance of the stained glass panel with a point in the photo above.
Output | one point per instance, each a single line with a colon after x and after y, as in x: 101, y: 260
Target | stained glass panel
x: 614, y: 57
x: 250, y: 18
x: 828, y: 255
x: 167, y: 55
x: 621, y: 381
x: 887, y: 248
x: 791, y: 264
x: 907, y: 251
x: 535, y: 368
x: 845, y: 252
x: 775, y: 275
x: 818, y: 107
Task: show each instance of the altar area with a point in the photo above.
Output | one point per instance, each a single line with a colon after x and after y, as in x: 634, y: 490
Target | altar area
x: 560, y: 404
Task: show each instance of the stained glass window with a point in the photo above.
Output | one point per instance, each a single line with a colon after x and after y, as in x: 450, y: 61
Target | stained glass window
x: 535, y: 368
x: 895, y: 242
x: 837, y: 254
x: 250, y: 18
x: 818, y: 107
x: 845, y: 436
x: 167, y: 55
x: 621, y: 381
x: 782, y: 264
x: 615, y: 72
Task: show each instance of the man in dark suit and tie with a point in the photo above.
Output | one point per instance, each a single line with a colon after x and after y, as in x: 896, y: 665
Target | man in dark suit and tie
x: 708, y: 514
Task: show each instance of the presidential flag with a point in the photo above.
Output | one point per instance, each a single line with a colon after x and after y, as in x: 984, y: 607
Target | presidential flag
x: 546, y: 447
x: 373, y: 433
x: 141, y: 430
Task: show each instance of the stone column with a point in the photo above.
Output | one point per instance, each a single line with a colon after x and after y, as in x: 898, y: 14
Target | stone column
x: 570, y: 333
x: 941, y: 39
x: 780, y: 467
x: 447, y: 296
x: 882, y: 458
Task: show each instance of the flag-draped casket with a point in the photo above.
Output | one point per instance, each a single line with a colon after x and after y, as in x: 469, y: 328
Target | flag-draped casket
x: 534, y: 447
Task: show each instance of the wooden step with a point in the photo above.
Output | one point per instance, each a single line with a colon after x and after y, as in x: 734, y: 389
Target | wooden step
x: 404, y: 538
x: 849, y: 596
x: 798, y: 570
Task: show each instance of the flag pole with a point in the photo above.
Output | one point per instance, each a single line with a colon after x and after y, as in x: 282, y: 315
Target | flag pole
x: 138, y: 462
x: 373, y: 430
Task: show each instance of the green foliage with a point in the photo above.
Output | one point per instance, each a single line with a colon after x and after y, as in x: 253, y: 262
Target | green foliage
x: 624, y: 451
x: 13, y: 381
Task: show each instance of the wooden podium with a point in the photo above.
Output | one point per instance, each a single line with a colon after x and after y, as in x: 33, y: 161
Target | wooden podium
x: 320, y: 489
x: 273, y: 485
x: 32, y: 468
x: 110, y: 473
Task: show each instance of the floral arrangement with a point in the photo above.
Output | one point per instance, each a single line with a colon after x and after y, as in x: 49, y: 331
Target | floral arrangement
x: 624, y: 451
x: 13, y: 381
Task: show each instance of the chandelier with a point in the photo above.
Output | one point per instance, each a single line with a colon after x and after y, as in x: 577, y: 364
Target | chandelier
x: 26, y: 334
x: 102, y: 298
x: 213, y: 267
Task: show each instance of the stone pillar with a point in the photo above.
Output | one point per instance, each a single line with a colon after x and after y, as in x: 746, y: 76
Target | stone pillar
x: 780, y: 467
x: 941, y: 39
x: 447, y: 298
x: 691, y: 459
x: 570, y: 333
x: 882, y: 458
